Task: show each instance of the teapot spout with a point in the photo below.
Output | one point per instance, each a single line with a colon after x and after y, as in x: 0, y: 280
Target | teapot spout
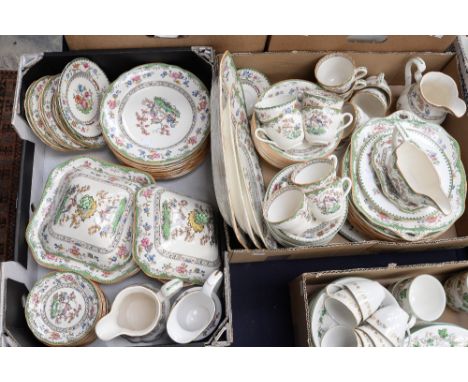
x: 457, y: 108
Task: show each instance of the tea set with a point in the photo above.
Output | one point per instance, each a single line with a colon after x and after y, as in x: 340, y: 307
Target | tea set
x: 359, y: 312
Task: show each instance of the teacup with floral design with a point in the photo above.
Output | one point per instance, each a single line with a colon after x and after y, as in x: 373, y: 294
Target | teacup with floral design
x: 315, y: 174
x: 270, y: 108
x: 329, y: 203
x: 323, y: 125
x: 322, y: 98
x: 456, y: 288
x: 284, y: 132
x: 287, y: 209
x: 342, y: 306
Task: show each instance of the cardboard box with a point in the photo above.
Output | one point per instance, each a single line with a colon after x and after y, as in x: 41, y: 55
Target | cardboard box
x: 18, y: 276
x: 233, y: 43
x: 285, y: 65
x: 304, y: 287
x: 364, y: 43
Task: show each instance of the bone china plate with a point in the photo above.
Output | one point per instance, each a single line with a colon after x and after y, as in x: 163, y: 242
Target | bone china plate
x: 84, y: 219
x: 156, y: 114
x: 254, y: 84
x: 174, y: 236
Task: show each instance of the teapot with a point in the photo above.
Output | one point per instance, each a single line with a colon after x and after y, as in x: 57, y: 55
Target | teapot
x: 431, y: 96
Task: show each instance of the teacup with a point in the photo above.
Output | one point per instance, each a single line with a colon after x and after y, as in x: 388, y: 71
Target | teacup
x: 342, y: 306
x: 328, y: 203
x: 369, y: 295
x: 392, y: 322
x: 380, y: 83
x: 138, y: 311
x: 285, y: 132
x: 372, y: 102
x: 364, y: 338
x: 323, y: 125
x: 422, y: 297
x: 322, y: 98
x: 270, y: 108
x: 456, y: 288
x: 315, y: 174
x: 377, y: 338
x: 340, y: 336
x: 287, y: 209
x: 194, y: 312
x: 337, y: 72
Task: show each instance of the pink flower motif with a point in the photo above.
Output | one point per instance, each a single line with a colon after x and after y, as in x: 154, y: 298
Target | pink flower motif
x: 50, y: 256
x: 154, y: 155
x: 122, y: 252
x: 54, y: 336
x: 75, y: 251
x: 182, y: 269
x: 145, y: 242
x: 147, y: 193
x: 112, y: 104
x: 202, y: 105
x: 85, y: 65
x: 192, y: 140
x: 119, y: 142
x: 176, y: 75
x: 136, y: 78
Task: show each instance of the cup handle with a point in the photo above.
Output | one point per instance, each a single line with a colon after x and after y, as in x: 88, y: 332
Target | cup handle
x: 360, y: 72
x: 169, y: 289
x: 212, y: 284
x: 411, y: 322
x: 359, y: 85
x: 347, y: 184
x: 261, y: 139
x: 334, y: 160
x: 344, y: 124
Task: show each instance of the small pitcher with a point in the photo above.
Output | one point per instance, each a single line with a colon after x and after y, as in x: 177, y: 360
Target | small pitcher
x: 432, y: 96
x: 138, y: 311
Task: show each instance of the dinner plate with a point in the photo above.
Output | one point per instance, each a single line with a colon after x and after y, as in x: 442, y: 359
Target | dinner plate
x: 84, y: 219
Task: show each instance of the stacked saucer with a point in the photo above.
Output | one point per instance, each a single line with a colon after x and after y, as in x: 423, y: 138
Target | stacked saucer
x: 384, y: 203
x: 63, y: 110
x: 63, y: 308
x: 156, y: 118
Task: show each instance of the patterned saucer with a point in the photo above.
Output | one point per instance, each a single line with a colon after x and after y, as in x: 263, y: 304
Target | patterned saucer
x: 254, y: 84
x: 62, y: 309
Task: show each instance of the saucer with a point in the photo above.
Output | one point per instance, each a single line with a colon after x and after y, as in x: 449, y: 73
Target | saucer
x: 254, y: 84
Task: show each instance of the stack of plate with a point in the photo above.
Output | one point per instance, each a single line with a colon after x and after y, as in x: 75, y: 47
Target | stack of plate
x: 63, y: 110
x: 320, y: 234
x: 238, y: 179
x: 376, y: 207
x: 62, y: 309
x: 156, y: 117
x: 281, y: 158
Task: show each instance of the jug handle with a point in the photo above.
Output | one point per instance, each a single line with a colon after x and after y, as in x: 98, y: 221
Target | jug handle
x: 420, y: 67
x: 169, y: 289
x: 213, y: 282
x: 107, y: 328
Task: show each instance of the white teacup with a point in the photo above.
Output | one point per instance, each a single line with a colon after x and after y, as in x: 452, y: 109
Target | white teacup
x: 377, y: 338
x: 194, y: 312
x: 327, y: 204
x: 340, y: 336
x: 138, y: 311
x: 373, y: 102
x: 392, y: 322
x: 287, y: 209
x: 315, y: 174
x: 369, y: 295
x: 337, y: 72
x: 285, y: 132
x: 422, y: 297
x: 342, y: 306
x: 456, y: 288
x: 322, y: 125
x: 270, y: 108
x: 322, y: 98
x: 380, y: 83
x: 364, y: 338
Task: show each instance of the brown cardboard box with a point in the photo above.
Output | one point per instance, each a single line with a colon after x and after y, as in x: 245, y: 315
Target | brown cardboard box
x: 233, y: 43
x: 361, y: 43
x: 303, y: 288
x: 285, y: 65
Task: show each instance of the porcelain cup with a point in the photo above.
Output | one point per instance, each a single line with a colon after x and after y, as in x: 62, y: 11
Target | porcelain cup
x: 193, y: 313
x: 422, y: 297
x: 369, y: 295
x: 138, y: 311
x: 342, y: 306
x: 456, y: 289
x: 340, y: 336
x: 392, y: 322
x: 285, y: 132
x: 287, y: 210
x: 323, y: 125
x: 377, y: 338
x: 364, y: 338
x: 327, y: 204
x: 380, y: 83
x: 337, y: 72
x: 322, y: 98
x: 315, y: 174
x: 373, y: 102
x: 270, y: 108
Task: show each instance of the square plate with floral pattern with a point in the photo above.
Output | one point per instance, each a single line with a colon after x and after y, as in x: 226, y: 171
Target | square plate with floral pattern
x: 84, y: 220
x: 174, y: 236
